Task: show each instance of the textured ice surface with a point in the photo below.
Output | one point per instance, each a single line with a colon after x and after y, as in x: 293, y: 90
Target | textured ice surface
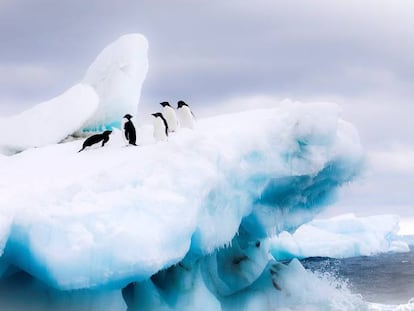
x: 340, y: 237
x: 112, y: 215
x: 278, y: 287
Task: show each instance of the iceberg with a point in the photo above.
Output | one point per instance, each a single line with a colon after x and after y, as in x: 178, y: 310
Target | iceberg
x: 340, y: 237
x: 177, y: 225
x: 117, y: 76
x: 205, y: 201
x: 110, y: 89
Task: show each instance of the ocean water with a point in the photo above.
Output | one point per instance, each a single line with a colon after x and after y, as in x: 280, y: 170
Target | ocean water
x: 385, y: 278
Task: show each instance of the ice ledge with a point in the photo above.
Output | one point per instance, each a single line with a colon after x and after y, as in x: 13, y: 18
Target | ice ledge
x: 114, y: 215
x: 341, y: 237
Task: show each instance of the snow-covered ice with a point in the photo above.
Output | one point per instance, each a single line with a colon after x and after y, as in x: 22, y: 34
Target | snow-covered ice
x: 116, y: 214
x: 117, y: 76
x: 341, y: 237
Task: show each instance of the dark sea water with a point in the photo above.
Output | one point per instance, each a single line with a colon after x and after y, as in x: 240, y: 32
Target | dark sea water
x: 386, y: 278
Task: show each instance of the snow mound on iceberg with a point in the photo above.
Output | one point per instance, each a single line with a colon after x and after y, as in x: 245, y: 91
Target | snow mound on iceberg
x: 340, y: 237
x: 117, y: 75
x: 49, y: 122
x: 111, y: 88
x: 113, y: 215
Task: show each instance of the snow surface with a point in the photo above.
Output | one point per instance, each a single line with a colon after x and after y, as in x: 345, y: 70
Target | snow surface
x: 111, y: 88
x: 340, y: 237
x: 112, y: 215
x: 117, y: 76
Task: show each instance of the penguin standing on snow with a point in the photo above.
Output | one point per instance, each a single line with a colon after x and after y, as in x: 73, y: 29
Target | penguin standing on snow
x: 169, y: 114
x: 160, y: 127
x: 94, y: 139
x: 185, y: 115
x: 129, y: 129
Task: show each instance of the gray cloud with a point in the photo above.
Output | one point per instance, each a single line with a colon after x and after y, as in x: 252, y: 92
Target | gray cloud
x: 282, y: 47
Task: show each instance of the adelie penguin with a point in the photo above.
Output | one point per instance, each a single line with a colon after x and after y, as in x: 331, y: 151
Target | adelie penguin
x: 169, y: 114
x: 94, y: 139
x: 129, y: 130
x: 185, y: 115
x: 160, y: 127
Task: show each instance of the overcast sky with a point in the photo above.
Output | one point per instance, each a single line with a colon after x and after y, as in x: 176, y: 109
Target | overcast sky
x: 357, y: 53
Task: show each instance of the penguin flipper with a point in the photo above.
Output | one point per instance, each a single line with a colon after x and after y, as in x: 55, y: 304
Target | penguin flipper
x: 105, y: 140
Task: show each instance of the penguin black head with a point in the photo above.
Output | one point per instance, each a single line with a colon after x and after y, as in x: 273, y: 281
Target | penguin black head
x: 157, y: 115
x: 107, y: 133
x: 164, y: 104
x: 181, y: 103
x: 127, y: 116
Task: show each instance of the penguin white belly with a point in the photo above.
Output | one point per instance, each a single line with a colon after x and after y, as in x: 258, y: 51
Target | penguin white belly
x: 186, y: 117
x: 171, y: 117
x: 159, y: 130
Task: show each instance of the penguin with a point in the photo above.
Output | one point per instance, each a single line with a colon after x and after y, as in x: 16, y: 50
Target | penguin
x: 169, y: 114
x: 185, y: 115
x: 129, y: 130
x: 94, y: 139
x: 160, y: 127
